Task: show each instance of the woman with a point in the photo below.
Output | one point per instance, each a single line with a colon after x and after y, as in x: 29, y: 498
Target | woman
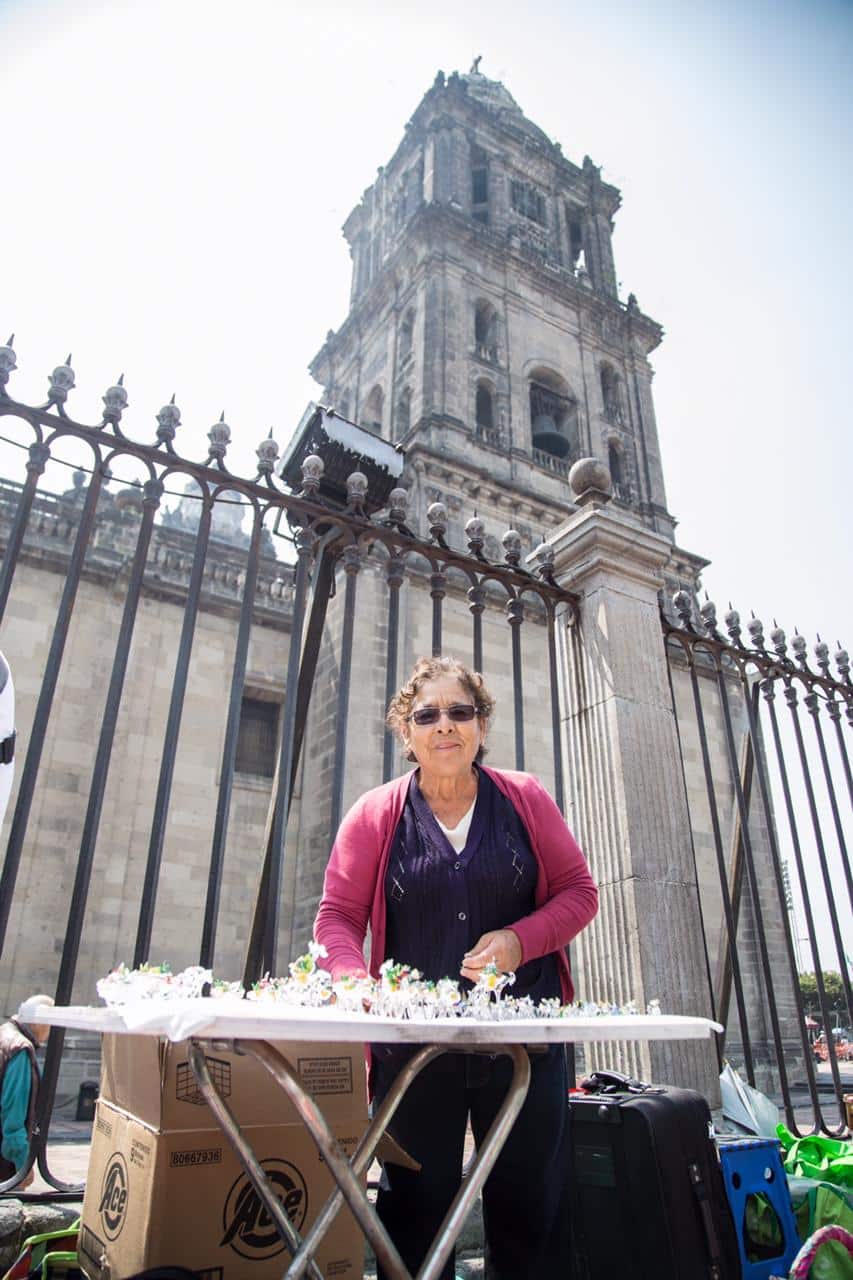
x: 452, y: 866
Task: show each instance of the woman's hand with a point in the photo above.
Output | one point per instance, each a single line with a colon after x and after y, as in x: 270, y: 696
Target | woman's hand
x: 501, y: 945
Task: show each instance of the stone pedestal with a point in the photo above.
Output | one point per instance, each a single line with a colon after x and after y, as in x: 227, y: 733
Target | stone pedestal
x: 625, y: 792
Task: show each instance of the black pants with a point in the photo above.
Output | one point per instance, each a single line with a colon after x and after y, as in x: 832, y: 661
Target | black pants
x: 525, y: 1200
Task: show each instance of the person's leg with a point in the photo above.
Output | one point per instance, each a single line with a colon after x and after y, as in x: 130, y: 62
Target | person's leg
x: 525, y: 1200
x: 430, y: 1127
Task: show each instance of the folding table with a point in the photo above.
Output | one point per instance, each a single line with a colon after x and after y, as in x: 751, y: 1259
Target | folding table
x: 248, y: 1027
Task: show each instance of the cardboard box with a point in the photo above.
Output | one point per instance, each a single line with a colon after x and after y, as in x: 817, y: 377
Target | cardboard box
x: 164, y: 1186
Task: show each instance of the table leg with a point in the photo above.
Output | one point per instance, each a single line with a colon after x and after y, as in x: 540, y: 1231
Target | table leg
x: 363, y: 1154
x: 346, y: 1172
x: 339, y: 1166
x: 246, y: 1156
x: 482, y: 1166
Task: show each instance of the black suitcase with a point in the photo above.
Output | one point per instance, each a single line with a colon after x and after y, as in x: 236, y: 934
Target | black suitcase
x: 647, y: 1193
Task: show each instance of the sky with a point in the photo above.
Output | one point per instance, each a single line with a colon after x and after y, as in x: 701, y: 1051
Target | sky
x: 177, y: 173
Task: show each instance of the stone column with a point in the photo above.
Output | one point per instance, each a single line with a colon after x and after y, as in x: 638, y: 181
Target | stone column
x: 625, y: 786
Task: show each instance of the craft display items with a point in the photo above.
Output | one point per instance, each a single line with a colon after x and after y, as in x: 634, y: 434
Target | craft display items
x: 399, y: 992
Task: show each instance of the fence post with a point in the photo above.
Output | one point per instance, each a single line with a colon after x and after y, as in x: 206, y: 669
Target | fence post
x: 624, y: 784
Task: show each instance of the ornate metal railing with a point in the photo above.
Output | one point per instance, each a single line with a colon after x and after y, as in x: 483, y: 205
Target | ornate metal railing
x: 773, y: 787
x: 324, y: 536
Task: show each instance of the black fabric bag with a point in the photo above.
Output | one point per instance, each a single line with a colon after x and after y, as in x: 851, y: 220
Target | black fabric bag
x: 648, y: 1200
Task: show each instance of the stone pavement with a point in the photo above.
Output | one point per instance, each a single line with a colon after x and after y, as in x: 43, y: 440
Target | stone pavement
x: 68, y: 1156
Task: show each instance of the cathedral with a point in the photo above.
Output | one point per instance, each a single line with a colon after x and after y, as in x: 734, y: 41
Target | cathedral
x: 486, y: 334
x: 487, y: 339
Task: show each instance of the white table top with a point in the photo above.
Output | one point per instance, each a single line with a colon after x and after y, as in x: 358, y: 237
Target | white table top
x: 231, y: 1018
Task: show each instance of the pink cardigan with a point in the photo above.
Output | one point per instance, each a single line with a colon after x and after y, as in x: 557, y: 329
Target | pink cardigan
x: 354, y: 888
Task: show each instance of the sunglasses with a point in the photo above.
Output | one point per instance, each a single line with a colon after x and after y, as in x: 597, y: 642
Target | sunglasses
x: 459, y: 713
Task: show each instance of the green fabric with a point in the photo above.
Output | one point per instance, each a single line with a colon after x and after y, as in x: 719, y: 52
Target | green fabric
x: 763, y: 1235
x: 821, y: 1204
x: 825, y: 1159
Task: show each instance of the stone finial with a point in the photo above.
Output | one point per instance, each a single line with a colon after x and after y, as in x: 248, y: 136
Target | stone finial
x: 511, y: 543
x: 398, y: 501
x: 267, y: 452
x: 356, y: 490
x: 842, y: 661
x: 475, y: 532
x: 589, y: 480
x: 584, y: 279
x: 61, y: 382
x: 168, y: 421
x: 684, y: 608
x: 219, y: 436
x: 8, y: 363
x: 437, y: 519
x: 129, y: 499
x: 313, y: 467
x: 115, y: 402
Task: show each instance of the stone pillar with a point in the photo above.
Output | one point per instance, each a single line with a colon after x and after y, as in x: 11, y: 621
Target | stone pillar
x: 625, y: 786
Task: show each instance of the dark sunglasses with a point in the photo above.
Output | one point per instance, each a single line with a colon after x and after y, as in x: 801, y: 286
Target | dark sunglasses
x: 460, y: 713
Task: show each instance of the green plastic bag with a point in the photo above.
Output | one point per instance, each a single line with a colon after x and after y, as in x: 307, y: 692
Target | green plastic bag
x: 825, y: 1159
x: 829, y: 1205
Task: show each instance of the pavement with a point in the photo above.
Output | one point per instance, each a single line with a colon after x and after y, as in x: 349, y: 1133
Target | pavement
x: 69, y: 1141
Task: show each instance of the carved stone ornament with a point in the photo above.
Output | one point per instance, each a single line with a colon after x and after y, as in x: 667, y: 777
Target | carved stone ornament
x: 589, y: 480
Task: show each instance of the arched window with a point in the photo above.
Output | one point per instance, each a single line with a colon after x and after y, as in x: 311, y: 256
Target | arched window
x: 407, y: 330
x: 404, y: 412
x: 485, y: 409
x: 479, y: 185
x: 553, y: 415
x: 373, y: 409
x: 611, y: 393
x: 485, y: 330
x: 614, y: 462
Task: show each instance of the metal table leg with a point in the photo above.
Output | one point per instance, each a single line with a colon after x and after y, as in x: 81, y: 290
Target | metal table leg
x: 245, y: 1154
x: 363, y: 1155
x: 347, y: 1172
x: 483, y: 1164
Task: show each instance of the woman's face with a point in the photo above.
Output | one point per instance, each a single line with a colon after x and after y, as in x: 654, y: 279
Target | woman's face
x: 447, y: 747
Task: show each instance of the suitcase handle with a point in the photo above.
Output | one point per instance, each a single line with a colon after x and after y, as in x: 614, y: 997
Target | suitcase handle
x: 616, y: 1082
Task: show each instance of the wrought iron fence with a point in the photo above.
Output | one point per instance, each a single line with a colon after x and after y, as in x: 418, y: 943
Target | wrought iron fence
x: 768, y: 780
x: 327, y: 540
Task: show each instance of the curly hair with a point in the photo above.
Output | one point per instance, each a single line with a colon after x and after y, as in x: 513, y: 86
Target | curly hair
x: 426, y: 669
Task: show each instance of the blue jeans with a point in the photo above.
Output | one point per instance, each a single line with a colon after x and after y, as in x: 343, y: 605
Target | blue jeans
x: 525, y: 1200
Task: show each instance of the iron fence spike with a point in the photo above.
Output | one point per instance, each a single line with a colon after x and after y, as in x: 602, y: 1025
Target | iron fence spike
x: 11, y: 340
x: 172, y: 401
x: 120, y: 382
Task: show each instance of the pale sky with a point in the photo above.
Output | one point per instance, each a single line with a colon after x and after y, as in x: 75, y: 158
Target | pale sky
x: 176, y: 175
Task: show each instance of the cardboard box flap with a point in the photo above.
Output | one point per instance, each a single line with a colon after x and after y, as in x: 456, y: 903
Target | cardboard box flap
x: 151, y: 1079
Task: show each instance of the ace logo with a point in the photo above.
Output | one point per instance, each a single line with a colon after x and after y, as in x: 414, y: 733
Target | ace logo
x: 113, y: 1203
x: 249, y: 1228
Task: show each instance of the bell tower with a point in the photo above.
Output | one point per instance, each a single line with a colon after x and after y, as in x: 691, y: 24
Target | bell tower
x: 485, y: 331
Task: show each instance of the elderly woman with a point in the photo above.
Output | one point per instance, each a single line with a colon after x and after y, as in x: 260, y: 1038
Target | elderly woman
x: 455, y: 865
